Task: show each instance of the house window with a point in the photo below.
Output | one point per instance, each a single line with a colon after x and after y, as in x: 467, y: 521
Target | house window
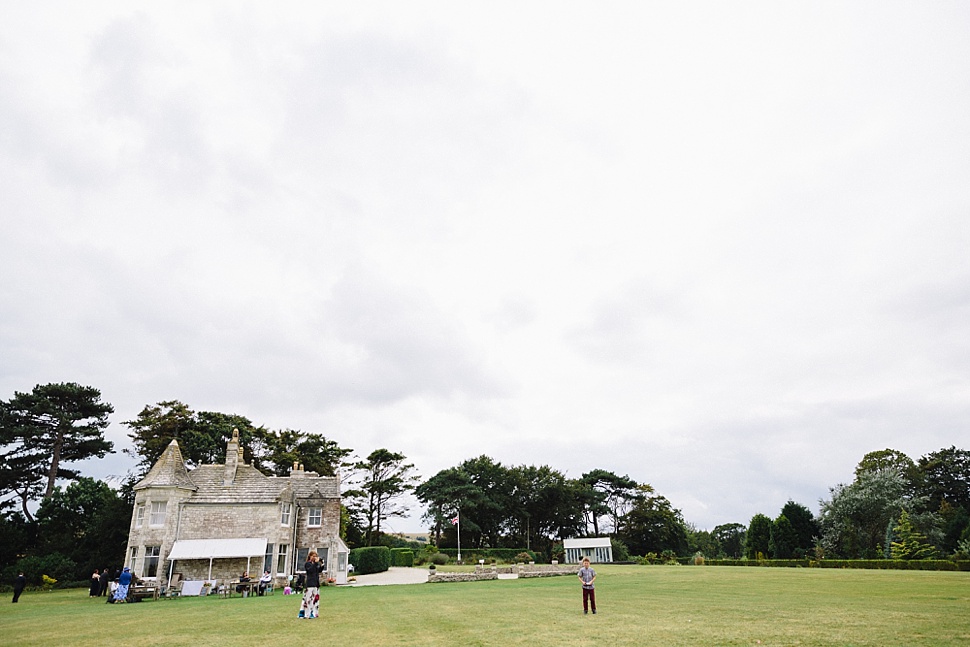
x: 268, y: 559
x: 139, y: 516
x: 151, y: 560
x: 285, y: 514
x: 134, y: 556
x: 158, y: 514
x: 281, y: 559
x: 316, y: 518
x: 301, y: 554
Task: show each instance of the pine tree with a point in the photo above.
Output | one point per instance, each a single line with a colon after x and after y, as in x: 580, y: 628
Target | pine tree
x: 911, y: 544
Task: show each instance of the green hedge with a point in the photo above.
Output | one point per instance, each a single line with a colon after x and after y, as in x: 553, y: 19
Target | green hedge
x: 895, y: 564
x: 472, y: 555
x: 374, y: 559
x: 402, y: 557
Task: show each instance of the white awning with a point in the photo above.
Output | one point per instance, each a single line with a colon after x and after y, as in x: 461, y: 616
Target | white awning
x: 217, y: 548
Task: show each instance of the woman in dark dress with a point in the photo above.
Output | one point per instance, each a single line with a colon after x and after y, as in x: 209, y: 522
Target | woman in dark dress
x: 95, y: 590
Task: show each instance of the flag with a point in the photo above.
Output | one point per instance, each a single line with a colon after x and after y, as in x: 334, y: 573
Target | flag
x: 454, y: 521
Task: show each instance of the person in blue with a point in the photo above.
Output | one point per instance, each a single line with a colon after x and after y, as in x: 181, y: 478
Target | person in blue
x: 587, y: 576
x: 124, y: 581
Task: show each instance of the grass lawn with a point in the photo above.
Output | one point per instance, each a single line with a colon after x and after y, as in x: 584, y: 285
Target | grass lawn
x: 638, y: 605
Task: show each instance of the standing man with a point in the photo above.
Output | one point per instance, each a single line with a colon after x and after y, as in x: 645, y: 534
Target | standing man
x: 587, y: 576
x: 310, y: 608
x: 19, y: 584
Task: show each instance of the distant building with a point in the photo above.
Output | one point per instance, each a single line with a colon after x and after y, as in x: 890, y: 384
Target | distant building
x: 216, y: 521
x: 598, y: 549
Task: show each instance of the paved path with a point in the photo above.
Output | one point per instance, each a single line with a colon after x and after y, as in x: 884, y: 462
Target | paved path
x: 394, y: 575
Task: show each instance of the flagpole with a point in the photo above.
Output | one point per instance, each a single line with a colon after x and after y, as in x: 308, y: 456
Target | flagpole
x: 458, y: 532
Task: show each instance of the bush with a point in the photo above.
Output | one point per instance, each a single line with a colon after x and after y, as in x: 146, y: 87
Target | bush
x: 524, y: 557
x: 402, y: 557
x: 439, y: 558
x: 374, y: 559
x: 620, y: 552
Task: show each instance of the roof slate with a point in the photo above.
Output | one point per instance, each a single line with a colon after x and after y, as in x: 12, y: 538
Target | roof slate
x: 169, y: 471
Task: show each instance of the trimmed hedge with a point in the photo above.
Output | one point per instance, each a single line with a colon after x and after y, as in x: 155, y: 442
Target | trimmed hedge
x: 373, y: 559
x: 402, y: 557
x: 892, y: 564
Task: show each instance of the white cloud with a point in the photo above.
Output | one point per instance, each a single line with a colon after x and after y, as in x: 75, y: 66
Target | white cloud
x: 721, y: 249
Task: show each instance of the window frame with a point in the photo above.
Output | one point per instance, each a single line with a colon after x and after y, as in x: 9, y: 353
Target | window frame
x: 314, y: 512
x: 156, y: 517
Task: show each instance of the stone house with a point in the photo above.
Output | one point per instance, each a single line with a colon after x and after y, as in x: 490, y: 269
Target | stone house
x: 216, y: 521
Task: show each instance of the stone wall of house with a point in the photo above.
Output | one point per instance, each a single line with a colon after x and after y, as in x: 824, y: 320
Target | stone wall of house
x: 317, y: 537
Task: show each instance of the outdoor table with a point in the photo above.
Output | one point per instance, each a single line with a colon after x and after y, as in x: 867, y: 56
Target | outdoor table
x: 139, y: 591
x: 252, y: 587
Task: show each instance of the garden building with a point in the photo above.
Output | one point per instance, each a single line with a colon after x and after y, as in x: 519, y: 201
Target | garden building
x: 216, y: 521
x: 598, y: 549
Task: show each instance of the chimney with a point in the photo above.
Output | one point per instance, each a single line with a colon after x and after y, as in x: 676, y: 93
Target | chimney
x: 233, y: 458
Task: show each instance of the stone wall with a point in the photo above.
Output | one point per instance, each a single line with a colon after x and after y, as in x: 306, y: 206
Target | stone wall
x: 462, y: 577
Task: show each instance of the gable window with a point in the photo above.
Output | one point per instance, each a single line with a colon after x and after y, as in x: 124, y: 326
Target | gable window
x: 281, y: 559
x: 151, y: 560
x: 316, y: 518
x: 158, y: 514
x: 139, y: 516
x: 287, y: 508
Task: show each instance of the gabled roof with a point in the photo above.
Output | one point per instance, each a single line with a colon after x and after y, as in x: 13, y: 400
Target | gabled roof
x: 249, y: 486
x: 586, y: 542
x: 169, y: 471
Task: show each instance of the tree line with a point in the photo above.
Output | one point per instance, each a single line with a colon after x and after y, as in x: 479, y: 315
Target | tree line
x: 895, y: 507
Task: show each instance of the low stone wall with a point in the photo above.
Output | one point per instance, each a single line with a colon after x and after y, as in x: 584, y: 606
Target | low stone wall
x: 547, y: 570
x: 462, y: 577
x: 504, y: 570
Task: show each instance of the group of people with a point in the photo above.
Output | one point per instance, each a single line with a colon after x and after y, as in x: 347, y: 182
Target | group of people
x: 310, y: 605
x: 264, y: 582
x: 100, y: 582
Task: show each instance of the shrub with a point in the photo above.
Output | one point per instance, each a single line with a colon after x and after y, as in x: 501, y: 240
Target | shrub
x: 374, y: 559
x: 402, y: 557
x: 524, y: 557
x: 439, y: 559
x: 620, y: 552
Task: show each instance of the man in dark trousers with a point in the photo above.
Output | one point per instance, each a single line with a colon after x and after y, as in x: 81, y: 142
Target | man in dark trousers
x: 19, y: 584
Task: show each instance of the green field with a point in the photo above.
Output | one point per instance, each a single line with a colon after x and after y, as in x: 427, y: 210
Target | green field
x: 639, y: 605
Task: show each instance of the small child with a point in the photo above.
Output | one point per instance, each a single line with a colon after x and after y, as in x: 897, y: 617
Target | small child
x: 287, y: 590
x: 587, y: 576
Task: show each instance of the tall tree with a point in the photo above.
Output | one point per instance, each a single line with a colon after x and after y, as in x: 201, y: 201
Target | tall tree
x: 276, y: 451
x: 888, y: 459
x: 730, y: 539
x: 804, y: 525
x: 155, y: 427
x: 43, y: 430
x: 385, y: 478
x: 854, y: 519
x: 653, y: 525
x: 944, y: 475
x: 781, y: 543
x: 758, y: 539
x: 613, y: 495
x: 87, y: 522
x: 445, y: 493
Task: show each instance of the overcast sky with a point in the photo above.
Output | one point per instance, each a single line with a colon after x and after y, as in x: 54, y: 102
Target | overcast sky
x: 722, y: 248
